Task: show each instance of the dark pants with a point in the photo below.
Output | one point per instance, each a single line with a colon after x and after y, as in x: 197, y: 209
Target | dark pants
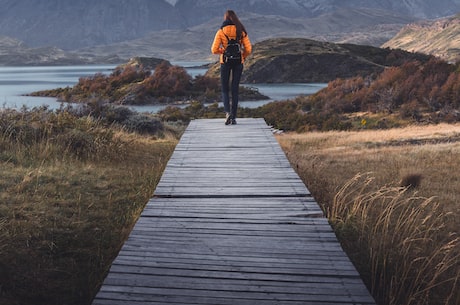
x: 235, y: 71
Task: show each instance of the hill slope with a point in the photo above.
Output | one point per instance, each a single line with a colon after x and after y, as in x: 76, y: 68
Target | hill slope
x: 296, y: 60
x: 360, y: 26
x: 15, y: 53
x: 439, y: 37
x: 158, y: 26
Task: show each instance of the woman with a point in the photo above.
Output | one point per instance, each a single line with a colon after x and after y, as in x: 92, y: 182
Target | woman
x: 232, y: 28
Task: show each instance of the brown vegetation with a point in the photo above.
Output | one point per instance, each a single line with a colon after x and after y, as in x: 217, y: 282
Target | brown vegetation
x: 414, y: 92
x: 71, y: 189
x: 74, y: 180
x: 404, y: 241
x: 137, y: 85
x: 297, y: 60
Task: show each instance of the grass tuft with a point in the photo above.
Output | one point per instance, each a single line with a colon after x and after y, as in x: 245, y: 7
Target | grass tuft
x: 71, y: 189
x: 401, y: 234
x: 411, y: 181
x: 408, y: 255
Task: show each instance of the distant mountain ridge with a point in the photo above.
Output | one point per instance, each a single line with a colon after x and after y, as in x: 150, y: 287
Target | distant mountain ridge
x: 74, y: 24
x: 195, y: 42
x: 15, y: 53
x: 424, y: 9
x: 440, y: 37
x: 170, y: 29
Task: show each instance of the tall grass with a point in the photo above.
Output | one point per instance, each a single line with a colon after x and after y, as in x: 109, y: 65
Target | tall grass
x: 399, y: 222
x: 71, y: 188
x: 401, y: 234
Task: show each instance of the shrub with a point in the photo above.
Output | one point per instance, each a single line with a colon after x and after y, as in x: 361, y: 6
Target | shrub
x: 143, y: 124
x: 115, y: 114
x: 173, y: 114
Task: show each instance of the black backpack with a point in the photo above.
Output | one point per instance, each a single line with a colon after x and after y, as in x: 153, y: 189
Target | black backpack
x: 232, y: 54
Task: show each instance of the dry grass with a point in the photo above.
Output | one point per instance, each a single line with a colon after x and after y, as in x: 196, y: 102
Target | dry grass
x: 404, y: 240
x: 68, y: 200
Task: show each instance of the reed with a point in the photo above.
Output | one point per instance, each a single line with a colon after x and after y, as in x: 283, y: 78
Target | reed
x: 392, y: 198
x: 402, y: 236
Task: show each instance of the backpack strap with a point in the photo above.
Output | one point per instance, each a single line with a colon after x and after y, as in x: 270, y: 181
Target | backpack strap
x: 238, y: 35
x: 228, y: 39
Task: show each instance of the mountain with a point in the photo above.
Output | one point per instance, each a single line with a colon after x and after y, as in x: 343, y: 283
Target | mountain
x: 297, y: 60
x: 202, y: 9
x: 175, y: 29
x: 71, y: 24
x: 15, y: 53
x: 440, y: 37
x: 194, y: 43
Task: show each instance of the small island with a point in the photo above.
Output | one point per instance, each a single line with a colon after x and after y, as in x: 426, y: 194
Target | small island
x: 146, y: 81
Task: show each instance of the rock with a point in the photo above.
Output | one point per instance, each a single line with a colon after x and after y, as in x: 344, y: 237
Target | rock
x: 298, y: 60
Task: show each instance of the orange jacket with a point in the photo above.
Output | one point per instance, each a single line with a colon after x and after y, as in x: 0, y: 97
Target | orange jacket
x: 220, y: 42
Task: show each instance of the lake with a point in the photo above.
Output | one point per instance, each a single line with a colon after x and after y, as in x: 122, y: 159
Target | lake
x: 17, y: 81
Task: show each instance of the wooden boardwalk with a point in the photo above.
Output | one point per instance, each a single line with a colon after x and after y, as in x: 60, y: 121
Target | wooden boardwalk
x: 231, y: 223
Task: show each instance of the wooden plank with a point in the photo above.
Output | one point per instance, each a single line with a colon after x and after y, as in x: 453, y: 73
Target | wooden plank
x: 230, y: 285
x: 209, y: 162
x: 231, y: 223
x: 215, y: 296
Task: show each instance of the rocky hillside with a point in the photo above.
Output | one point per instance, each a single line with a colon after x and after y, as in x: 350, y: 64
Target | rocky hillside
x: 15, y: 53
x: 69, y: 25
x: 172, y: 28
x: 281, y: 60
x: 439, y: 37
x: 200, y: 10
x: 344, y: 25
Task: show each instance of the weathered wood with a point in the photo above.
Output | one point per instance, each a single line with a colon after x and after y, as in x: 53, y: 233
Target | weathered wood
x: 231, y: 223
x: 221, y: 161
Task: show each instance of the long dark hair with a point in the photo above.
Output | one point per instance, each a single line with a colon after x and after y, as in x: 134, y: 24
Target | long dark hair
x: 231, y: 16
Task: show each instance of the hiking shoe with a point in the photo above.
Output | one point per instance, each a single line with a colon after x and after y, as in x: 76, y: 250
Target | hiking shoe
x: 233, y: 122
x: 228, y: 119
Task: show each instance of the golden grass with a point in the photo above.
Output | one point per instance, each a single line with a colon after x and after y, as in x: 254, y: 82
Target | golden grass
x: 66, y: 209
x: 404, y: 241
x: 431, y: 151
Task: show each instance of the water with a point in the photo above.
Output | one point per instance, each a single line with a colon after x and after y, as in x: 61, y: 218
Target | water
x: 17, y: 81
